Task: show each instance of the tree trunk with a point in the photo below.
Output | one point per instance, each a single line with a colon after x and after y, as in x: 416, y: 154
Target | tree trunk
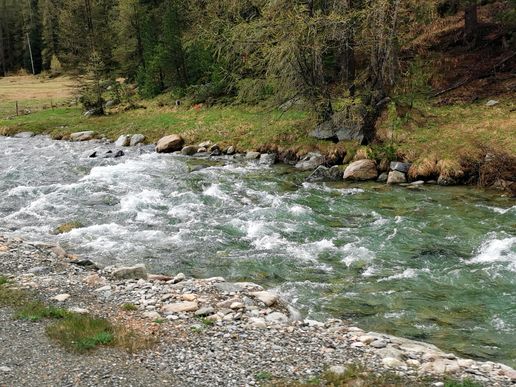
x: 2, y: 50
x: 470, y: 24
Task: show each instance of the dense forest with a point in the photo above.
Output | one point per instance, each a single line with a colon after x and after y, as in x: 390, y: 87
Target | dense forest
x: 280, y: 51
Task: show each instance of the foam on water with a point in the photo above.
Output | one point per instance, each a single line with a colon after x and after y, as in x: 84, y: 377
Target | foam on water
x: 496, y: 250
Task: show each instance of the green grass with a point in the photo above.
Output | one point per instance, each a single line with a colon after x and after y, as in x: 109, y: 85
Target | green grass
x: 461, y: 383
x: 36, y: 310
x: 3, y: 280
x: 75, y: 332
x: 245, y: 128
x: 81, y: 333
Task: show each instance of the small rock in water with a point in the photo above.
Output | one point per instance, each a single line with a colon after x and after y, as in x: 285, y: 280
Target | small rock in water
x: 361, y: 170
x: 230, y: 151
x: 189, y: 150
x: 82, y: 136
x: 396, y: 177
x: 252, y: 155
x: 24, y: 135
x: 383, y: 177
x: 310, y: 162
x: 5, y: 369
x: 123, y: 140
x: 268, y: 159
x: 119, y: 154
x: 137, y: 139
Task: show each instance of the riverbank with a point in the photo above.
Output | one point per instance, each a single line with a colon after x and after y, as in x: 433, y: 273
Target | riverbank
x: 467, y: 143
x: 207, y: 332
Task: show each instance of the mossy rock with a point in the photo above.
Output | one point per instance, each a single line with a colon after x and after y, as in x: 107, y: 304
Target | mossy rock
x: 67, y: 227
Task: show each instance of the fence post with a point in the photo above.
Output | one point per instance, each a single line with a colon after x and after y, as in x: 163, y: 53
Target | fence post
x: 17, y: 110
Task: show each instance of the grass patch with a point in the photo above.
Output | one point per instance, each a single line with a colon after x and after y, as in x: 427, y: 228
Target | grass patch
x: 81, y: 332
x: 75, y: 332
x: 36, y: 310
x: 354, y: 375
x: 129, y: 307
x: 461, y: 383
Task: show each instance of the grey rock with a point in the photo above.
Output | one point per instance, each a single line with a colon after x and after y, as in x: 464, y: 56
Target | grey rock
x: 252, y: 155
x: 133, y: 272
x: 123, y: 140
x: 169, y: 144
x: 492, y: 102
x: 383, y: 177
x: 178, y: 307
x: 137, y: 139
x: 5, y: 369
x: 205, y: 144
x: 445, y: 181
x: 257, y: 322
x: 82, y: 136
x: 268, y: 159
x: 267, y: 298
x: 39, y: 270
x: 189, y: 150
x: 230, y: 151
x: 378, y: 344
x: 277, y: 318
x: 228, y: 287
x: 310, y: 162
x: 400, y: 167
x: 323, y: 173
x: 110, y: 104
x: 24, y: 135
x: 396, y: 177
x: 361, y: 170
x: 206, y: 311
x: 337, y: 370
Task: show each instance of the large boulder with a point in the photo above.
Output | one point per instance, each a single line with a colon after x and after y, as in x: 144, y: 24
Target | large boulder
x: 82, y: 136
x: 171, y: 143
x: 311, y: 161
x: 361, y: 170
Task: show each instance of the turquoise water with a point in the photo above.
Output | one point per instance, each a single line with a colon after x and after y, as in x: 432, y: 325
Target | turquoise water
x: 435, y: 264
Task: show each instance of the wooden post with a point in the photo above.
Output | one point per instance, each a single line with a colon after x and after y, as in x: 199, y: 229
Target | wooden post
x: 17, y: 110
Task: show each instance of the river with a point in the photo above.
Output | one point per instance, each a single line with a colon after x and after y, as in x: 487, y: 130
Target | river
x: 434, y: 264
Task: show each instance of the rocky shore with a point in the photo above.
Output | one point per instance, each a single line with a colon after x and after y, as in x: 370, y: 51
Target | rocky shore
x: 208, y: 332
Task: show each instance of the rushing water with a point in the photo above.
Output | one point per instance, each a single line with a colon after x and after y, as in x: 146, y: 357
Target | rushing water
x: 435, y: 264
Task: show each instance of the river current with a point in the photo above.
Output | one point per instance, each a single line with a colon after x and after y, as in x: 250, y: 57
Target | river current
x: 434, y: 264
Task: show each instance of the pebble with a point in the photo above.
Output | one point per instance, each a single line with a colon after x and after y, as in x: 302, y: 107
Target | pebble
x: 61, y: 297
